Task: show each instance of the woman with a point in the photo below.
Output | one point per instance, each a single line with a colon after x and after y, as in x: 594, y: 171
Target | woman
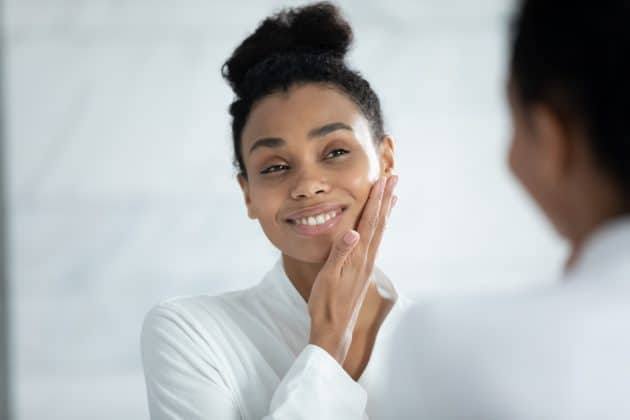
x: 309, y: 149
x: 560, y: 351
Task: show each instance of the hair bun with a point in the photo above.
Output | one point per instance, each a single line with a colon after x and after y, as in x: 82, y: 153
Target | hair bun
x: 317, y: 28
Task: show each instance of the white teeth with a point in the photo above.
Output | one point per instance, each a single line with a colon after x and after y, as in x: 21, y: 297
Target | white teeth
x: 316, y: 220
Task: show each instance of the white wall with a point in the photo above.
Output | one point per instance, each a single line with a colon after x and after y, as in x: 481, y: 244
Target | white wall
x: 122, y: 191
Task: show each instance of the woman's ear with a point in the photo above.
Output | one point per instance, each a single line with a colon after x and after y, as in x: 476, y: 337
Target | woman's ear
x: 555, y: 151
x: 386, y: 155
x: 242, y: 181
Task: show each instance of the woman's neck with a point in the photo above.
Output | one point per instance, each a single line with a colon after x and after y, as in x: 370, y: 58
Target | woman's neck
x: 302, y: 274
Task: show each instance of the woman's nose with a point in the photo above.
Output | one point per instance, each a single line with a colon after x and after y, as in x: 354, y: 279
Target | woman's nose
x: 309, y: 185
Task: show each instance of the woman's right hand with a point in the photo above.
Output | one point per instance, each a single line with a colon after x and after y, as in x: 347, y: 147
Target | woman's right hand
x: 340, y: 287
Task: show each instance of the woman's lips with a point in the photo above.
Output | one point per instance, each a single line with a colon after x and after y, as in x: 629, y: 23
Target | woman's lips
x: 319, y: 209
x: 317, y: 229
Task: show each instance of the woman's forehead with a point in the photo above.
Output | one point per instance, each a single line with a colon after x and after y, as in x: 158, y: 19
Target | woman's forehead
x: 299, y: 110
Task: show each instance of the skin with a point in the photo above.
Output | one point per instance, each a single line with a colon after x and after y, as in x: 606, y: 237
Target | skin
x: 550, y: 157
x: 304, y: 147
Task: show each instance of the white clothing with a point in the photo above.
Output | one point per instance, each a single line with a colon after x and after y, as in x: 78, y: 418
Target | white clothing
x: 561, y: 353
x: 245, y: 355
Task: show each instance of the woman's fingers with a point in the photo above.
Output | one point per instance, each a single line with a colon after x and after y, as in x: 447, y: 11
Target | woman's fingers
x: 371, y: 226
x: 394, y: 201
x: 388, y: 200
x: 331, y: 306
x: 339, y: 252
x: 369, y: 217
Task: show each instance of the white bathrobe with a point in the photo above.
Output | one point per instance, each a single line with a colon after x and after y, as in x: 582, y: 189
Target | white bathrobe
x: 560, y: 353
x: 245, y: 355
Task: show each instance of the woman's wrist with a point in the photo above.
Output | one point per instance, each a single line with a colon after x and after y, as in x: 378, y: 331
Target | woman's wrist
x: 334, y: 342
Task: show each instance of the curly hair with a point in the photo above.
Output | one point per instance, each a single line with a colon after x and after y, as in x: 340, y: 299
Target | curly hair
x: 293, y: 47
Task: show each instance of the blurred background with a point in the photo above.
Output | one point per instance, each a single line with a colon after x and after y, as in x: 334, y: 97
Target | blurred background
x: 120, y: 191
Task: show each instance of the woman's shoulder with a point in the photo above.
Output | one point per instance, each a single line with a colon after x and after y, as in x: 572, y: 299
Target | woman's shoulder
x: 204, y: 309
x: 197, y: 328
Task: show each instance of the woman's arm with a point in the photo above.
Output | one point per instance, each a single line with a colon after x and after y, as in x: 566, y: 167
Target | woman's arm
x: 181, y: 382
x: 317, y: 386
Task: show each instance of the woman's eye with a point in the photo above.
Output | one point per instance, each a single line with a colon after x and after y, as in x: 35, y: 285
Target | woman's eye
x: 274, y: 168
x: 336, y: 152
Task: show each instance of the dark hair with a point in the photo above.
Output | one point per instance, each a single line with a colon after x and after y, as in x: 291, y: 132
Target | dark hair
x: 574, y: 56
x: 295, y: 46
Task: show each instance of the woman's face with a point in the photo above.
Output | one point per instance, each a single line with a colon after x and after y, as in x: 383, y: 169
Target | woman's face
x: 311, y: 161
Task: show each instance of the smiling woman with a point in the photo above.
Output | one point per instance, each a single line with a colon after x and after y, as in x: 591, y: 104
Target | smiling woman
x: 324, y: 159
x: 309, y: 147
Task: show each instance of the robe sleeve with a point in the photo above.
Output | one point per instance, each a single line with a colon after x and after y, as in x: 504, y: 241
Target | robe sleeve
x: 317, y: 387
x: 184, y: 382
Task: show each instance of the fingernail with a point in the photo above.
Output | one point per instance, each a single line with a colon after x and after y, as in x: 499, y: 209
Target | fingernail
x: 350, y: 237
x: 394, y: 200
x: 394, y: 181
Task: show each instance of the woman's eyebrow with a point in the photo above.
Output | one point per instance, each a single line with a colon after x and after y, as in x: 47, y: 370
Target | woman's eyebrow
x: 273, y: 142
x: 328, y: 128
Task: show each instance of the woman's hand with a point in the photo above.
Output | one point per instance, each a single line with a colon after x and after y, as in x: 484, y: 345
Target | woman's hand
x: 340, y: 287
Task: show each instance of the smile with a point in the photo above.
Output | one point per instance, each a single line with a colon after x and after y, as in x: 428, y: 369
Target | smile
x: 318, y: 221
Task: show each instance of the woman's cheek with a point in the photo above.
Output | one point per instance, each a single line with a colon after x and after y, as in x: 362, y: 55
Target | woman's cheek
x: 265, y: 205
x: 359, y: 185
x: 364, y: 185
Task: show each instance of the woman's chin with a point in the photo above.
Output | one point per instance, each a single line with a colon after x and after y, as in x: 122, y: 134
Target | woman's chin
x: 313, y: 255
x: 315, y: 249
